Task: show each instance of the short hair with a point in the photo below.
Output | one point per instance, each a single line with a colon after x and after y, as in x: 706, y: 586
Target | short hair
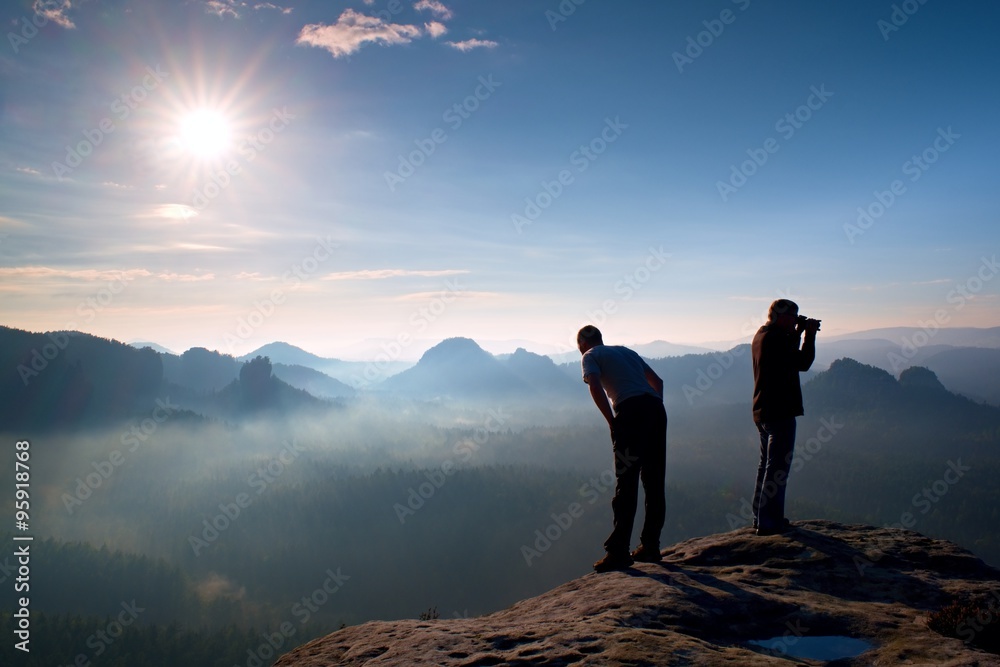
x: 781, y: 307
x: 591, y: 334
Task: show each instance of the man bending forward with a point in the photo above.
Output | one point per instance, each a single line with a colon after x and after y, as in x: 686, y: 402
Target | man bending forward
x: 638, y: 424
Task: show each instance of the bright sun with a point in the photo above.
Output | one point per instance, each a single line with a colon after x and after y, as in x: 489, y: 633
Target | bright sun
x: 205, y: 134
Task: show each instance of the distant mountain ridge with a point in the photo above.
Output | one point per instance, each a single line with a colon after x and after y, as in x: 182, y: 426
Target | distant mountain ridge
x: 74, y: 379
x: 460, y: 368
x: 929, y: 334
x: 351, y: 373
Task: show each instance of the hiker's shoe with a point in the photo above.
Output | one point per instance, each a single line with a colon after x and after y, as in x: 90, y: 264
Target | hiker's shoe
x: 644, y: 555
x: 613, y: 562
x: 784, y: 527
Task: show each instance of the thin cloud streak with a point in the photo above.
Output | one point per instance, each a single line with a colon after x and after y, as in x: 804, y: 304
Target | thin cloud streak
x: 100, y: 275
x: 381, y: 274
x: 471, y: 44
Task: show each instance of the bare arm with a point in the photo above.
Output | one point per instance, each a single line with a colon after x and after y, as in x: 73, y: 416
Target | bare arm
x: 654, y: 381
x: 600, y: 398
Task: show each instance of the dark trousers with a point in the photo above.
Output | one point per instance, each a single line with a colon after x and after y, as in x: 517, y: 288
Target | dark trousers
x: 640, y: 446
x: 777, y: 443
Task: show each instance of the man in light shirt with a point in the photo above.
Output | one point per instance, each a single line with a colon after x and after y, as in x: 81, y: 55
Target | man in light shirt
x: 630, y: 396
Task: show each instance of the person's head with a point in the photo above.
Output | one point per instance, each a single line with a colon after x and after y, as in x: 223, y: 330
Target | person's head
x: 783, y: 313
x: 588, y: 337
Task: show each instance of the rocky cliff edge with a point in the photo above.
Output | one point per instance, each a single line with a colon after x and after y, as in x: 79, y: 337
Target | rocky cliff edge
x: 825, y: 593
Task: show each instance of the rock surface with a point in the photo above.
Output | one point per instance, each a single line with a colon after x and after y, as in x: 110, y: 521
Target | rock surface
x: 705, y: 603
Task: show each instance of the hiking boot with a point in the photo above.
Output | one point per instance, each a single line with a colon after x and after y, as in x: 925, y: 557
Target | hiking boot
x: 784, y: 527
x: 647, y: 554
x: 613, y: 562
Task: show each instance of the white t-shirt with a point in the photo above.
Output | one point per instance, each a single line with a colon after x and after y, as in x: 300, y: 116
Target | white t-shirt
x: 622, y: 372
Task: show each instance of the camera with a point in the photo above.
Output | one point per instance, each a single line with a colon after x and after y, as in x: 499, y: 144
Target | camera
x: 804, y: 323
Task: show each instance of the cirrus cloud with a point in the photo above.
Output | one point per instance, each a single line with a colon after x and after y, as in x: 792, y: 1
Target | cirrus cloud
x: 470, y: 44
x: 436, y: 8
x: 381, y: 274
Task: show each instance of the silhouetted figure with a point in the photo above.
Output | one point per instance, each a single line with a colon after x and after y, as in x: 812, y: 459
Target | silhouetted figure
x: 777, y: 401
x: 638, y: 425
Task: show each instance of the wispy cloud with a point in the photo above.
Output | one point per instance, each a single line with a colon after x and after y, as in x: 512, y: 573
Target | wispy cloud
x: 28, y: 170
x: 11, y: 222
x: 172, y: 212
x: 184, y: 277
x: 471, y: 44
x: 435, y: 29
x: 436, y: 8
x: 98, y: 275
x: 253, y: 276
x: 382, y: 274
x: 352, y: 31
x: 43, y: 272
x: 268, y: 5
x: 224, y: 8
x: 233, y: 8
x: 458, y: 294
x: 55, y: 11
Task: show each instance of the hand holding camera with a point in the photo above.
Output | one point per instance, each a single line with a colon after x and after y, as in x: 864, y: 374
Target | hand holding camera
x: 807, y: 324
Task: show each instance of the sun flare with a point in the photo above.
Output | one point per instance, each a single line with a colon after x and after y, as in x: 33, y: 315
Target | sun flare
x: 205, y: 133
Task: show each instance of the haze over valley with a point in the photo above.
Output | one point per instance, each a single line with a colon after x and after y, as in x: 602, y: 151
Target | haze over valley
x: 460, y: 484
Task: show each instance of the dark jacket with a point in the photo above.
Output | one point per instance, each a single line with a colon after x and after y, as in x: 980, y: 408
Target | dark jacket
x: 777, y: 362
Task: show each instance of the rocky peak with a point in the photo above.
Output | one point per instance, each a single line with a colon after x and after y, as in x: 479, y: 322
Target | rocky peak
x: 854, y: 594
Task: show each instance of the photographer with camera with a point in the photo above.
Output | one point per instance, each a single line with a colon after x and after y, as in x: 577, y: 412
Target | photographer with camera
x: 777, y: 401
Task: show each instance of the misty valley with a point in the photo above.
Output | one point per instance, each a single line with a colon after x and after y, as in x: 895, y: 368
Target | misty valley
x: 199, y: 509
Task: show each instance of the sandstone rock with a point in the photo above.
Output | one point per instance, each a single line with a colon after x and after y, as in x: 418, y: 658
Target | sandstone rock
x: 704, y: 605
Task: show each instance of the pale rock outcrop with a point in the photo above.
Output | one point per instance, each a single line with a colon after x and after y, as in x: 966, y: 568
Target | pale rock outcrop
x: 704, y: 605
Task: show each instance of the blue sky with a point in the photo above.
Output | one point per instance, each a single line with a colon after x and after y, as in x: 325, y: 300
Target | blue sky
x: 226, y: 174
